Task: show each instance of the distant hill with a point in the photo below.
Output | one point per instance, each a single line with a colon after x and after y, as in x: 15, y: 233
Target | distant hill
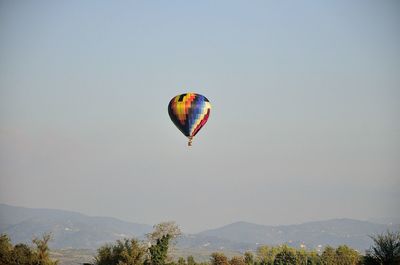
x: 333, y: 232
x: 69, y: 229
x: 78, y: 231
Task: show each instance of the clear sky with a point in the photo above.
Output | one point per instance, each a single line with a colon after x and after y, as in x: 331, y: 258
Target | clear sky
x: 304, y: 126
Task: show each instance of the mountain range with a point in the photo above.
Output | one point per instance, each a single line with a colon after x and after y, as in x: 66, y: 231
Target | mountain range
x: 69, y: 229
x: 73, y: 230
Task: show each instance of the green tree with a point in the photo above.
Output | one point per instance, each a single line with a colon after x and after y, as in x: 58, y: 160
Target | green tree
x: 386, y: 249
x: 6, y: 249
x: 249, y: 258
x: 237, y: 260
x: 328, y: 256
x: 346, y: 256
x: 181, y: 261
x: 301, y: 257
x: 22, y: 254
x: 266, y: 254
x: 190, y: 261
x: 159, y: 251
x: 313, y: 258
x: 170, y: 229
x: 219, y: 259
x: 286, y: 256
x: 123, y: 252
x: 42, y: 250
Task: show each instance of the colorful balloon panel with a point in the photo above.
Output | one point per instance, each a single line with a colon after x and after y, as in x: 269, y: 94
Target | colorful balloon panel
x: 189, y: 112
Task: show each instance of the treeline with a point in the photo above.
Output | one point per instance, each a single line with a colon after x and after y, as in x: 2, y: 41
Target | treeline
x: 117, y: 254
x: 385, y: 251
x: 22, y: 254
x: 284, y: 254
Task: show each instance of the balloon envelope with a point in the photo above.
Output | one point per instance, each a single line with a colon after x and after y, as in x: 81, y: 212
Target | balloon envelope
x: 189, y: 112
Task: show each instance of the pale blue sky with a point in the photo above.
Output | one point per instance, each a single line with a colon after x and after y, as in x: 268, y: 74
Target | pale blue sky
x: 304, y: 125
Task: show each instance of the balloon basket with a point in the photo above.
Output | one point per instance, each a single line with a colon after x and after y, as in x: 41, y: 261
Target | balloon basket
x: 190, y: 141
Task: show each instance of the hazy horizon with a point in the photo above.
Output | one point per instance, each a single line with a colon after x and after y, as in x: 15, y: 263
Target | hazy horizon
x: 304, y: 123
x: 377, y: 220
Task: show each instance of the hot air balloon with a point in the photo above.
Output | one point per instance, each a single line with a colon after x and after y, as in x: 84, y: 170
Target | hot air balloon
x: 189, y: 112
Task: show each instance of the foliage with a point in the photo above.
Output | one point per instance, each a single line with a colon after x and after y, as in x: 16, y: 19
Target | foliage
x: 123, y: 252
x: 386, y: 249
x: 287, y: 256
x: 301, y: 256
x: 130, y: 252
x: 343, y: 255
x: 237, y: 260
x: 219, y: 259
x: 6, y: 249
x: 159, y: 251
x: 22, y: 254
x: 328, y: 257
x: 42, y: 249
x: 248, y: 258
x: 190, y: 261
x: 266, y: 254
x: 181, y: 261
x: 163, y: 229
x: 346, y: 256
x: 313, y: 258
